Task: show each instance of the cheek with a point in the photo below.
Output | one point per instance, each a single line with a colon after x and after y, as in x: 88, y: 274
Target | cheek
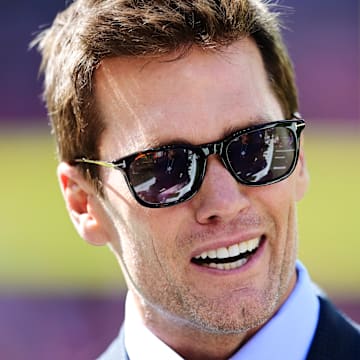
x: 284, y: 210
x: 278, y: 202
x: 277, y: 198
x: 145, y: 238
x: 149, y: 257
x: 135, y: 248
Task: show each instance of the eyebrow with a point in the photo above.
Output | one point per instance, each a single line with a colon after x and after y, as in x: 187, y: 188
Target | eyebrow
x: 253, y: 121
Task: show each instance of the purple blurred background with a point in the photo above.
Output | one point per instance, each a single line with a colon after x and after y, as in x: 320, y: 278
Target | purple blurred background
x: 63, y: 328
x: 323, y: 40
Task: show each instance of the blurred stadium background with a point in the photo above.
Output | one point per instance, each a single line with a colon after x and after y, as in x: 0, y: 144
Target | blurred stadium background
x: 61, y: 298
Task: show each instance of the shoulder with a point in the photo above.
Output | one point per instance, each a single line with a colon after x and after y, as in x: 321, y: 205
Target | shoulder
x: 336, y: 336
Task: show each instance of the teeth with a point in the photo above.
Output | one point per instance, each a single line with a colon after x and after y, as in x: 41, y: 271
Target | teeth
x: 211, y: 254
x: 228, y: 266
x: 243, y: 247
x: 231, y: 251
x: 234, y: 250
x: 222, y: 253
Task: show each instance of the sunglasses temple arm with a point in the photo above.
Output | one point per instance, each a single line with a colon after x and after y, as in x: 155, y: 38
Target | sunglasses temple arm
x: 99, y: 162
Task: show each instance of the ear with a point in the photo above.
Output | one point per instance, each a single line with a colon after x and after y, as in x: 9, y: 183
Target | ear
x: 303, y: 178
x: 85, y: 208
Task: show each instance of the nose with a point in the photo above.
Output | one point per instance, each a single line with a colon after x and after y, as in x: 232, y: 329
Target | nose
x: 221, y: 197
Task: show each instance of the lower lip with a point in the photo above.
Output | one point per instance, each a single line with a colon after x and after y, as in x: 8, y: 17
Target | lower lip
x: 252, y: 260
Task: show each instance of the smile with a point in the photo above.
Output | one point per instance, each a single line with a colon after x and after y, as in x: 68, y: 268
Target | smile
x: 228, y: 258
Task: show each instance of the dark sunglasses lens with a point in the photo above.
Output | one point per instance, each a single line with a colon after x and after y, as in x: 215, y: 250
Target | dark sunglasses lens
x: 263, y: 156
x: 164, y: 177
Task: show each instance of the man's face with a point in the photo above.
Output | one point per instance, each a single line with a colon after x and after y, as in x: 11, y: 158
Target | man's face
x: 197, y: 99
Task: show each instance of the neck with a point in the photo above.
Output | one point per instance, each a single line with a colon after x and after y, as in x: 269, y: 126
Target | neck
x: 190, y: 341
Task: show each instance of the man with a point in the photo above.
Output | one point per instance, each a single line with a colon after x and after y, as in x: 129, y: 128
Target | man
x: 194, y: 103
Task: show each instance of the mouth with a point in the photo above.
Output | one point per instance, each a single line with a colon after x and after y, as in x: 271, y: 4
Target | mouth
x: 229, y: 258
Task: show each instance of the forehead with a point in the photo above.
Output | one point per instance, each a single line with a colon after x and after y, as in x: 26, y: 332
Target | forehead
x: 145, y: 102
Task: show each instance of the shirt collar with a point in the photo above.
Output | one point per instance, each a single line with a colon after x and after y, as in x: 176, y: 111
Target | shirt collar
x: 287, y: 335
x: 139, y: 340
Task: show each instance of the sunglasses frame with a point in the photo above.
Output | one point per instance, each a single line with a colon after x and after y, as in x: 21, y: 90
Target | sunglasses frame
x: 295, y: 125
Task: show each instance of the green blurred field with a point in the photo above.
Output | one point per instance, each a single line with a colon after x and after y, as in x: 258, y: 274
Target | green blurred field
x: 41, y: 251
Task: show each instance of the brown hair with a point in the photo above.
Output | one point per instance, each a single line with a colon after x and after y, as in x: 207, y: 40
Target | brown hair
x: 91, y: 30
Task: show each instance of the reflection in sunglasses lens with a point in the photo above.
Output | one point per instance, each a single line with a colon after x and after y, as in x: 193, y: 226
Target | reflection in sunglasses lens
x: 262, y: 156
x: 163, y: 176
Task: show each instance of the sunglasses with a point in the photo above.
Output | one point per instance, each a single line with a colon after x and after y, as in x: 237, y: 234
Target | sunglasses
x: 171, y: 174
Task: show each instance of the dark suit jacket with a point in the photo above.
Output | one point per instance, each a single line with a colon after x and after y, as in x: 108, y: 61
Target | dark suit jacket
x: 336, y: 337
